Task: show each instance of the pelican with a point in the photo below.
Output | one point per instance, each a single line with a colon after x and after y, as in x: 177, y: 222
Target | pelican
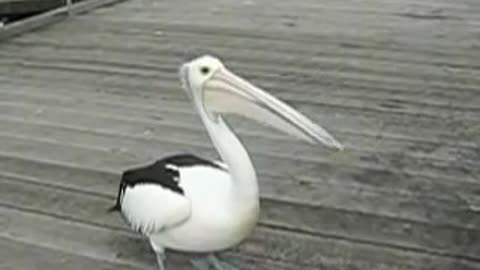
x: 192, y: 204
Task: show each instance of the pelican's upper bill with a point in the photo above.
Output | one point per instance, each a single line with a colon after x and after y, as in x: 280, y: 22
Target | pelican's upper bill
x: 221, y: 91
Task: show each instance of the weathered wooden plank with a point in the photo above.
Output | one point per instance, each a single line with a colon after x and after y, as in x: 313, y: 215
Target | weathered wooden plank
x: 312, y: 69
x: 363, y: 35
x: 338, y: 117
x: 279, y: 82
x: 170, y: 98
x: 123, y: 136
x: 172, y: 68
x: 170, y: 89
x: 92, y: 241
x: 310, y: 8
x: 179, y: 115
x: 95, y: 243
x: 356, y: 121
x: 176, y: 113
x: 301, y: 22
x: 87, y: 209
x: 167, y: 30
x: 18, y: 255
x: 331, y: 46
x: 79, y: 239
x: 370, y: 118
x: 358, y: 199
x: 278, y: 209
x: 118, y: 135
x: 187, y: 134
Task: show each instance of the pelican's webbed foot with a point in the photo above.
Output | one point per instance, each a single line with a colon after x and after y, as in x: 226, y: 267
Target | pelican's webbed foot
x: 211, y: 262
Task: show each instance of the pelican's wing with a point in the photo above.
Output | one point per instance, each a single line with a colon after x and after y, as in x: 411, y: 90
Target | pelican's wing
x: 151, y: 198
x: 151, y: 208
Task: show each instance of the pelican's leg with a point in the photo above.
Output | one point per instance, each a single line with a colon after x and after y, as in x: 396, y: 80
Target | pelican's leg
x: 161, y: 260
x: 211, y: 262
x: 220, y: 265
x: 160, y: 253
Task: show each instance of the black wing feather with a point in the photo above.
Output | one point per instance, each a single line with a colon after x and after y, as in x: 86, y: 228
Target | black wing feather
x: 159, y: 173
x: 188, y: 160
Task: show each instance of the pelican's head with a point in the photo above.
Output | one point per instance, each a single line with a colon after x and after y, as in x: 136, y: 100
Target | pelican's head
x: 217, y: 91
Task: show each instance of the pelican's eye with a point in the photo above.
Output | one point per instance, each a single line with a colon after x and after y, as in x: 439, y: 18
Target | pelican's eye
x: 204, y: 70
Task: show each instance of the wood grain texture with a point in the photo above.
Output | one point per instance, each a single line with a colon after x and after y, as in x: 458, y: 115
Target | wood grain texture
x: 396, y: 82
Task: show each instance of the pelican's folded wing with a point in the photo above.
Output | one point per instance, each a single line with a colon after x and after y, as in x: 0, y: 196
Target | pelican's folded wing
x: 151, y: 198
x: 151, y: 208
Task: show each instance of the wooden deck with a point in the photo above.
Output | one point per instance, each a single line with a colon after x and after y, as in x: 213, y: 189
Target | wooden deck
x: 398, y: 82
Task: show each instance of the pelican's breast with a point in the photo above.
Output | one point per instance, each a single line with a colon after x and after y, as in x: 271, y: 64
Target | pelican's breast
x: 217, y: 221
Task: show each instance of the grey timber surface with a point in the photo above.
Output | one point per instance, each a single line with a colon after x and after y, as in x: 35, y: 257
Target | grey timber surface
x: 396, y: 81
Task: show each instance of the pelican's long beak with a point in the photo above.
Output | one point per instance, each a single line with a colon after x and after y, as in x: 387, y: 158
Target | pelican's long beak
x: 226, y: 92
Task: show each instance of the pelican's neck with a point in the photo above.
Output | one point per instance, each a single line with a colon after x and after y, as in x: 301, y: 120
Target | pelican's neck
x: 233, y: 153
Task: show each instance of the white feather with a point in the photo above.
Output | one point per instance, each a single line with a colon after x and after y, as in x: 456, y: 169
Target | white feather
x: 215, y: 223
x: 151, y: 208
